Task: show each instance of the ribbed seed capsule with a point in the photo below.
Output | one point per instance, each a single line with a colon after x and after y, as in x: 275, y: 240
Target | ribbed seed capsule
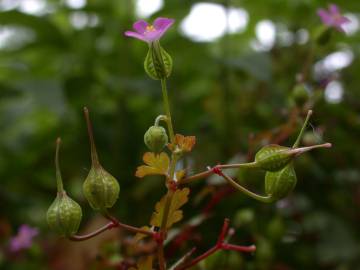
x: 100, y: 188
x: 279, y: 184
x: 158, y: 63
x: 156, y: 138
x: 64, y: 215
x: 273, y: 157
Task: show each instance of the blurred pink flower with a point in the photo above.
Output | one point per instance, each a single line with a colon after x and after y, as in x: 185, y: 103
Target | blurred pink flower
x: 149, y: 33
x: 332, y: 17
x: 23, y: 239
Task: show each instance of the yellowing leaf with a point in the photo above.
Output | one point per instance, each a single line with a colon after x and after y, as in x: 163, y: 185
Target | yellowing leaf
x: 185, y: 143
x: 140, y: 236
x: 155, y: 164
x: 180, y: 174
x: 144, y: 264
x: 180, y: 197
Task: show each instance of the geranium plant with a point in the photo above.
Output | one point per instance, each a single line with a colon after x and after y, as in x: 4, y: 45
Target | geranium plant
x: 166, y: 149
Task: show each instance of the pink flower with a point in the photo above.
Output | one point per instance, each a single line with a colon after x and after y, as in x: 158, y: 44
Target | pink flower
x: 23, y: 239
x: 332, y: 17
x: 150, y: 33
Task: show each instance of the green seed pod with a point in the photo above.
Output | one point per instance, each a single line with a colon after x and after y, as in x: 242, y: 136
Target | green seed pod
x: 300, y: 94
x: 273, y: 157
x: 279, y: 184
x: 100, y: 188
x: 156, y: 138
x: 64, y: 215
x: 158, y: 63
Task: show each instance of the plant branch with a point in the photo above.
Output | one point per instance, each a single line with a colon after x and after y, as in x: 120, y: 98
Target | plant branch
x: 220, y: 245
x: 210, y: 172
x: 114, y: 223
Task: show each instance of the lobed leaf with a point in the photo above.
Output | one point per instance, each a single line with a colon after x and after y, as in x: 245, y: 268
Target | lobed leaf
x: 155, y: 164
x: 185, y: 143
x: 180, y: 197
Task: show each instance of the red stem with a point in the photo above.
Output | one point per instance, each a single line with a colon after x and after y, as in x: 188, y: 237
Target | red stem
x: 220, y: 245
x: 113, y: 224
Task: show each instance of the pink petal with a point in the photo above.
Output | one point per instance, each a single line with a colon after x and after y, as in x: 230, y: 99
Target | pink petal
x: 343, y: 20
x: 136, y: 35
x: 334, y: 10
x: 162, y: 25
x: 325, y: 16
x: 140, y: 26
x: 153, y: 35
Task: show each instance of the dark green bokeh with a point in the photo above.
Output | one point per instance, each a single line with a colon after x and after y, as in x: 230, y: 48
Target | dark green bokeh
x: 222, y: 92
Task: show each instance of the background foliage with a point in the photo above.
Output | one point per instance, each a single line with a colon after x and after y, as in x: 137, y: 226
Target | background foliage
x: 224, y: 92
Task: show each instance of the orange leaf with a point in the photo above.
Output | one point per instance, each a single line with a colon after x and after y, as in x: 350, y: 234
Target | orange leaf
x: 185, y: 143
x: 180, y: 197
x: 155, y: 164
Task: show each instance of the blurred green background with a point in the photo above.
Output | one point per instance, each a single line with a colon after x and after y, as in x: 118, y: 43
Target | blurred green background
x: 235, y: 65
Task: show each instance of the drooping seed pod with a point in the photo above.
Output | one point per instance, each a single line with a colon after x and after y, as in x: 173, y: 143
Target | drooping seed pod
x: 156, y: 138
x: 100, y: 188
x: 279, y: 184
x: 64, y: 215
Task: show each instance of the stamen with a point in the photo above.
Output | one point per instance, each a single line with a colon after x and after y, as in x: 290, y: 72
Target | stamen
x: 150, y: 28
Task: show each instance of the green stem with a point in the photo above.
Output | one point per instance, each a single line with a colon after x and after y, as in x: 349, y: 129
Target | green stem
x: 94, y: 156
x: 59, y: 183
x: 167, y: 110
x: 160, y: 118
x: 297, y: 142
x: 265, y: 199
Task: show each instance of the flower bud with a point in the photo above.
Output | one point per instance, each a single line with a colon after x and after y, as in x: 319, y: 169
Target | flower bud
x: 100, y: 188
x: 64, y: 215
x: 156, y: 138
x: 279, y: 184
x: 158, y: 63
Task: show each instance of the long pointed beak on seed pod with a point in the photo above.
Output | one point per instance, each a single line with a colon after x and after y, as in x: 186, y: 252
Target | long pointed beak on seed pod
x: 64, y: 215
x: 275, y: 157
x: 100, y: 188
